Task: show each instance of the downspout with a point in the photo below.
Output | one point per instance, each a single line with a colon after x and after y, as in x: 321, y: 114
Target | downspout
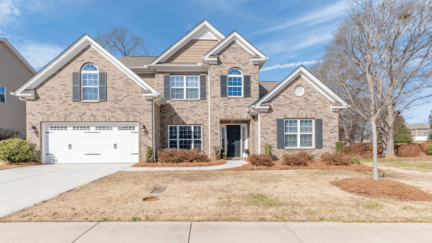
x: 209, y: 122
x: 259, y: 134
x: 154, y: 131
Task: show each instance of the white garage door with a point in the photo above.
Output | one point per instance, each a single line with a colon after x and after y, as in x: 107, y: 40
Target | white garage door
x: 90, y: 143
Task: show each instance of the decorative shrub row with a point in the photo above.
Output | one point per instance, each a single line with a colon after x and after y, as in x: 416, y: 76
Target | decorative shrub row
x: 261, y: 160
x: 182, y: 155
x: 300, y: 158
x: 16, y: 150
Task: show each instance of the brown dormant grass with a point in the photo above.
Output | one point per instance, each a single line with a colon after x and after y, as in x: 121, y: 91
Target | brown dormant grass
x: 289, y: 195
x: 184, y: 164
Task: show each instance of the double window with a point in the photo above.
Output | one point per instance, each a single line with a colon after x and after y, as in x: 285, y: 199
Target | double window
x: 2, y: 94
x: 299, y: 133
x: 185, y: 87
x: 185, y: 137
x: 90, y: 82
x: 235, y: 83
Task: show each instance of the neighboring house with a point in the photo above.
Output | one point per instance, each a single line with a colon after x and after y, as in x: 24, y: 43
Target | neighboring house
x: 418, y: 131
x: 14, y: 72
x: 86, y: 106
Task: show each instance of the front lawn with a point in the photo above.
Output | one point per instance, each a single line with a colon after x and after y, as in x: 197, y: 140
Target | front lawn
x: 289, y: 195
x: 420, y: 164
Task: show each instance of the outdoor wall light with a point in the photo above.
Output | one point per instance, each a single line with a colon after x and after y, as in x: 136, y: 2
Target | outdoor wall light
x: 144, y: 128
x: 33, y: 129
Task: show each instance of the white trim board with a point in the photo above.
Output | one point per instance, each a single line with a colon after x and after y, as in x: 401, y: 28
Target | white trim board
x: 203, y: 30
x: 312, y: 80
x: 70, y: 53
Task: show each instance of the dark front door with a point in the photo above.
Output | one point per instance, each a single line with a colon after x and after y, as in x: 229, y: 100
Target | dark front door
x: 233, y: 140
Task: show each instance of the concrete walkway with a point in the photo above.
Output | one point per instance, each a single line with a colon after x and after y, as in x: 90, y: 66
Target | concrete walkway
x: 25, y: 186
x: 229, y: 164
x: 209, y: 232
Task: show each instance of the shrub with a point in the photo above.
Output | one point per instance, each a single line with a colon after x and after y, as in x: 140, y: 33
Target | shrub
x: 216, y: 151
x: 149, y: 153
x: 268, y: 148
x: 335, y: 159
x: 403, y: 135
x: 430, y: 136
x: 339, y: 146
x: 6, y: 134
x: 261, y: 160
x: 429, y: 149
x: 16, y: 150
x: 300, y: 158
x: 355, y: 160
x: 181, y: 155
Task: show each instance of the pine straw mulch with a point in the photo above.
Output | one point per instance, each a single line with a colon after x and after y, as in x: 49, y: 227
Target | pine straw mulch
x: 183, y: 164
x: 383, y: 188
x: 316, y: 164
x: 4, y: 166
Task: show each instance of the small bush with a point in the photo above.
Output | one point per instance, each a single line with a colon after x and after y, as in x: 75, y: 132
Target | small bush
x: 16, y: 150
x: 335, y: 159
x: 339, y: 146
x: 261, y: 160
x: 429, y: 149
x: 149, y: 154
x: 430, y: 136
x: 268, y: 149
x: 403, y: 135
x: 216, y: 151
x: 300, y: 158
x: 182, y: 155
x: 355, y: 160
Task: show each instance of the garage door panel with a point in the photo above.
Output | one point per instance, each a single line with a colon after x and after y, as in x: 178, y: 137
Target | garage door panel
x: 91, y: 143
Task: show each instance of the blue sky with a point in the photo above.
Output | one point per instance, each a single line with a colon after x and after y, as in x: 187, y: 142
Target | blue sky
x: 290, y: 33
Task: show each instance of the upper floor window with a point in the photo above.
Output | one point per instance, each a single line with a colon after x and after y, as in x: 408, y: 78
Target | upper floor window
x: 184, y: 87
x: 235, y: 83
x: 90, y: 82
x: 2, y: 94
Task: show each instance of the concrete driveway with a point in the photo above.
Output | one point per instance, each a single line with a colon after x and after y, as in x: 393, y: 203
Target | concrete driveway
x: 25, y: 186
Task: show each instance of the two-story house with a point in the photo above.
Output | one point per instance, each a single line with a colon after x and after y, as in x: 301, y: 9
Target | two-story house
x: 86, y: 106
x: 14, y: 72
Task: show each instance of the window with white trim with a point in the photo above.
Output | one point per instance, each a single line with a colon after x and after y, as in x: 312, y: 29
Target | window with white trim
x: 90, y: 82
x: 299, y: 133
x: 185, y: 87
x: 185, y: 137
x: 235, y: 83
x: 2, y: 94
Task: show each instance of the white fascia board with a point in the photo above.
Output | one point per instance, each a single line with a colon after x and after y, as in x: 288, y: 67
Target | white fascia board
x: 17, y: 54
x: 311, y: 79
x: 234, y: 36
x: 157, y: 98
x: 185, y: 39
x: 71, y: 52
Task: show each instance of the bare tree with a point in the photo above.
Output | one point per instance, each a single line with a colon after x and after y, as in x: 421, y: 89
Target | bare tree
x: 120, y: 41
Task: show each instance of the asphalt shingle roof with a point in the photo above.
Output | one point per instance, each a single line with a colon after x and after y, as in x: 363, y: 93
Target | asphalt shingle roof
x: 418, y: 126
x: 136, y: 61
x: 266, y: 86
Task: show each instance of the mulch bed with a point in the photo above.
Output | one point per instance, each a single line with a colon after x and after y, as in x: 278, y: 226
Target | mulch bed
x: 184, y: 164
x: 18, y: 164
x: 383, y: 188
x: 316, y: 164
x: 401, y: 150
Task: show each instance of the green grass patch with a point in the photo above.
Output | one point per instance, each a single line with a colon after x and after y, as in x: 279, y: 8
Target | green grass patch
x: 375, y: 206
x: 261, y: 200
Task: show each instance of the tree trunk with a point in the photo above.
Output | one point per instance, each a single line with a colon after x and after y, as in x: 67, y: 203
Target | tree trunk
x: 390, y: 137
x: 375, y: 149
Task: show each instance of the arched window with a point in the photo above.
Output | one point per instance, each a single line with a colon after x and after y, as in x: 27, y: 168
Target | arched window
x: 235, y: 83
x: 89, y: 82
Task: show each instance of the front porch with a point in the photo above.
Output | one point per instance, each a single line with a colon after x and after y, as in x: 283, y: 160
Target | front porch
x: 234, y: 137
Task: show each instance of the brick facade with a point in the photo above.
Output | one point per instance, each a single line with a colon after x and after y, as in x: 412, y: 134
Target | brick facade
x: 312, y: 105
x: 125, y: 102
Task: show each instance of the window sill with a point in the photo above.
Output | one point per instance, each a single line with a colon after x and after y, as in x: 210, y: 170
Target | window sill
x: 89, y: 101
x: 241, y: 97
x: 300, y: 148
x: 184, y: 99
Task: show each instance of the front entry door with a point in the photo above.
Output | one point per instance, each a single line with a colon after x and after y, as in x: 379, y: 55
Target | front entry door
x: 233, y: 140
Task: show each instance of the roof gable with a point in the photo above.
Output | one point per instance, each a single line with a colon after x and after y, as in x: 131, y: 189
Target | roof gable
x: 70, y: 53
x: 312, y: 80
x: 258, y: 56
x: 203, y: 31
x: 17, y: 54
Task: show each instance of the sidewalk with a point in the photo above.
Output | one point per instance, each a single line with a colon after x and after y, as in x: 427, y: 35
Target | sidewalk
x: 229, y: 164
x: 209, y: 232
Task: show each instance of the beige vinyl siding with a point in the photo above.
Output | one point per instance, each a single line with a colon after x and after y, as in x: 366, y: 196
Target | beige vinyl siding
x: 13, y: 73
x: 192, y: 51
x: 148, y: 78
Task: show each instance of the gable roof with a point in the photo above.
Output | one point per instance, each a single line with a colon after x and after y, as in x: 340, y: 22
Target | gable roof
x: 419, y: 126
x: 17, y: 54
x: 337, y: 102
x: 203, y: 30
x: 71, y: 52
x: 136, y: 61
x: 266, y: 86
x: 258, y: 56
